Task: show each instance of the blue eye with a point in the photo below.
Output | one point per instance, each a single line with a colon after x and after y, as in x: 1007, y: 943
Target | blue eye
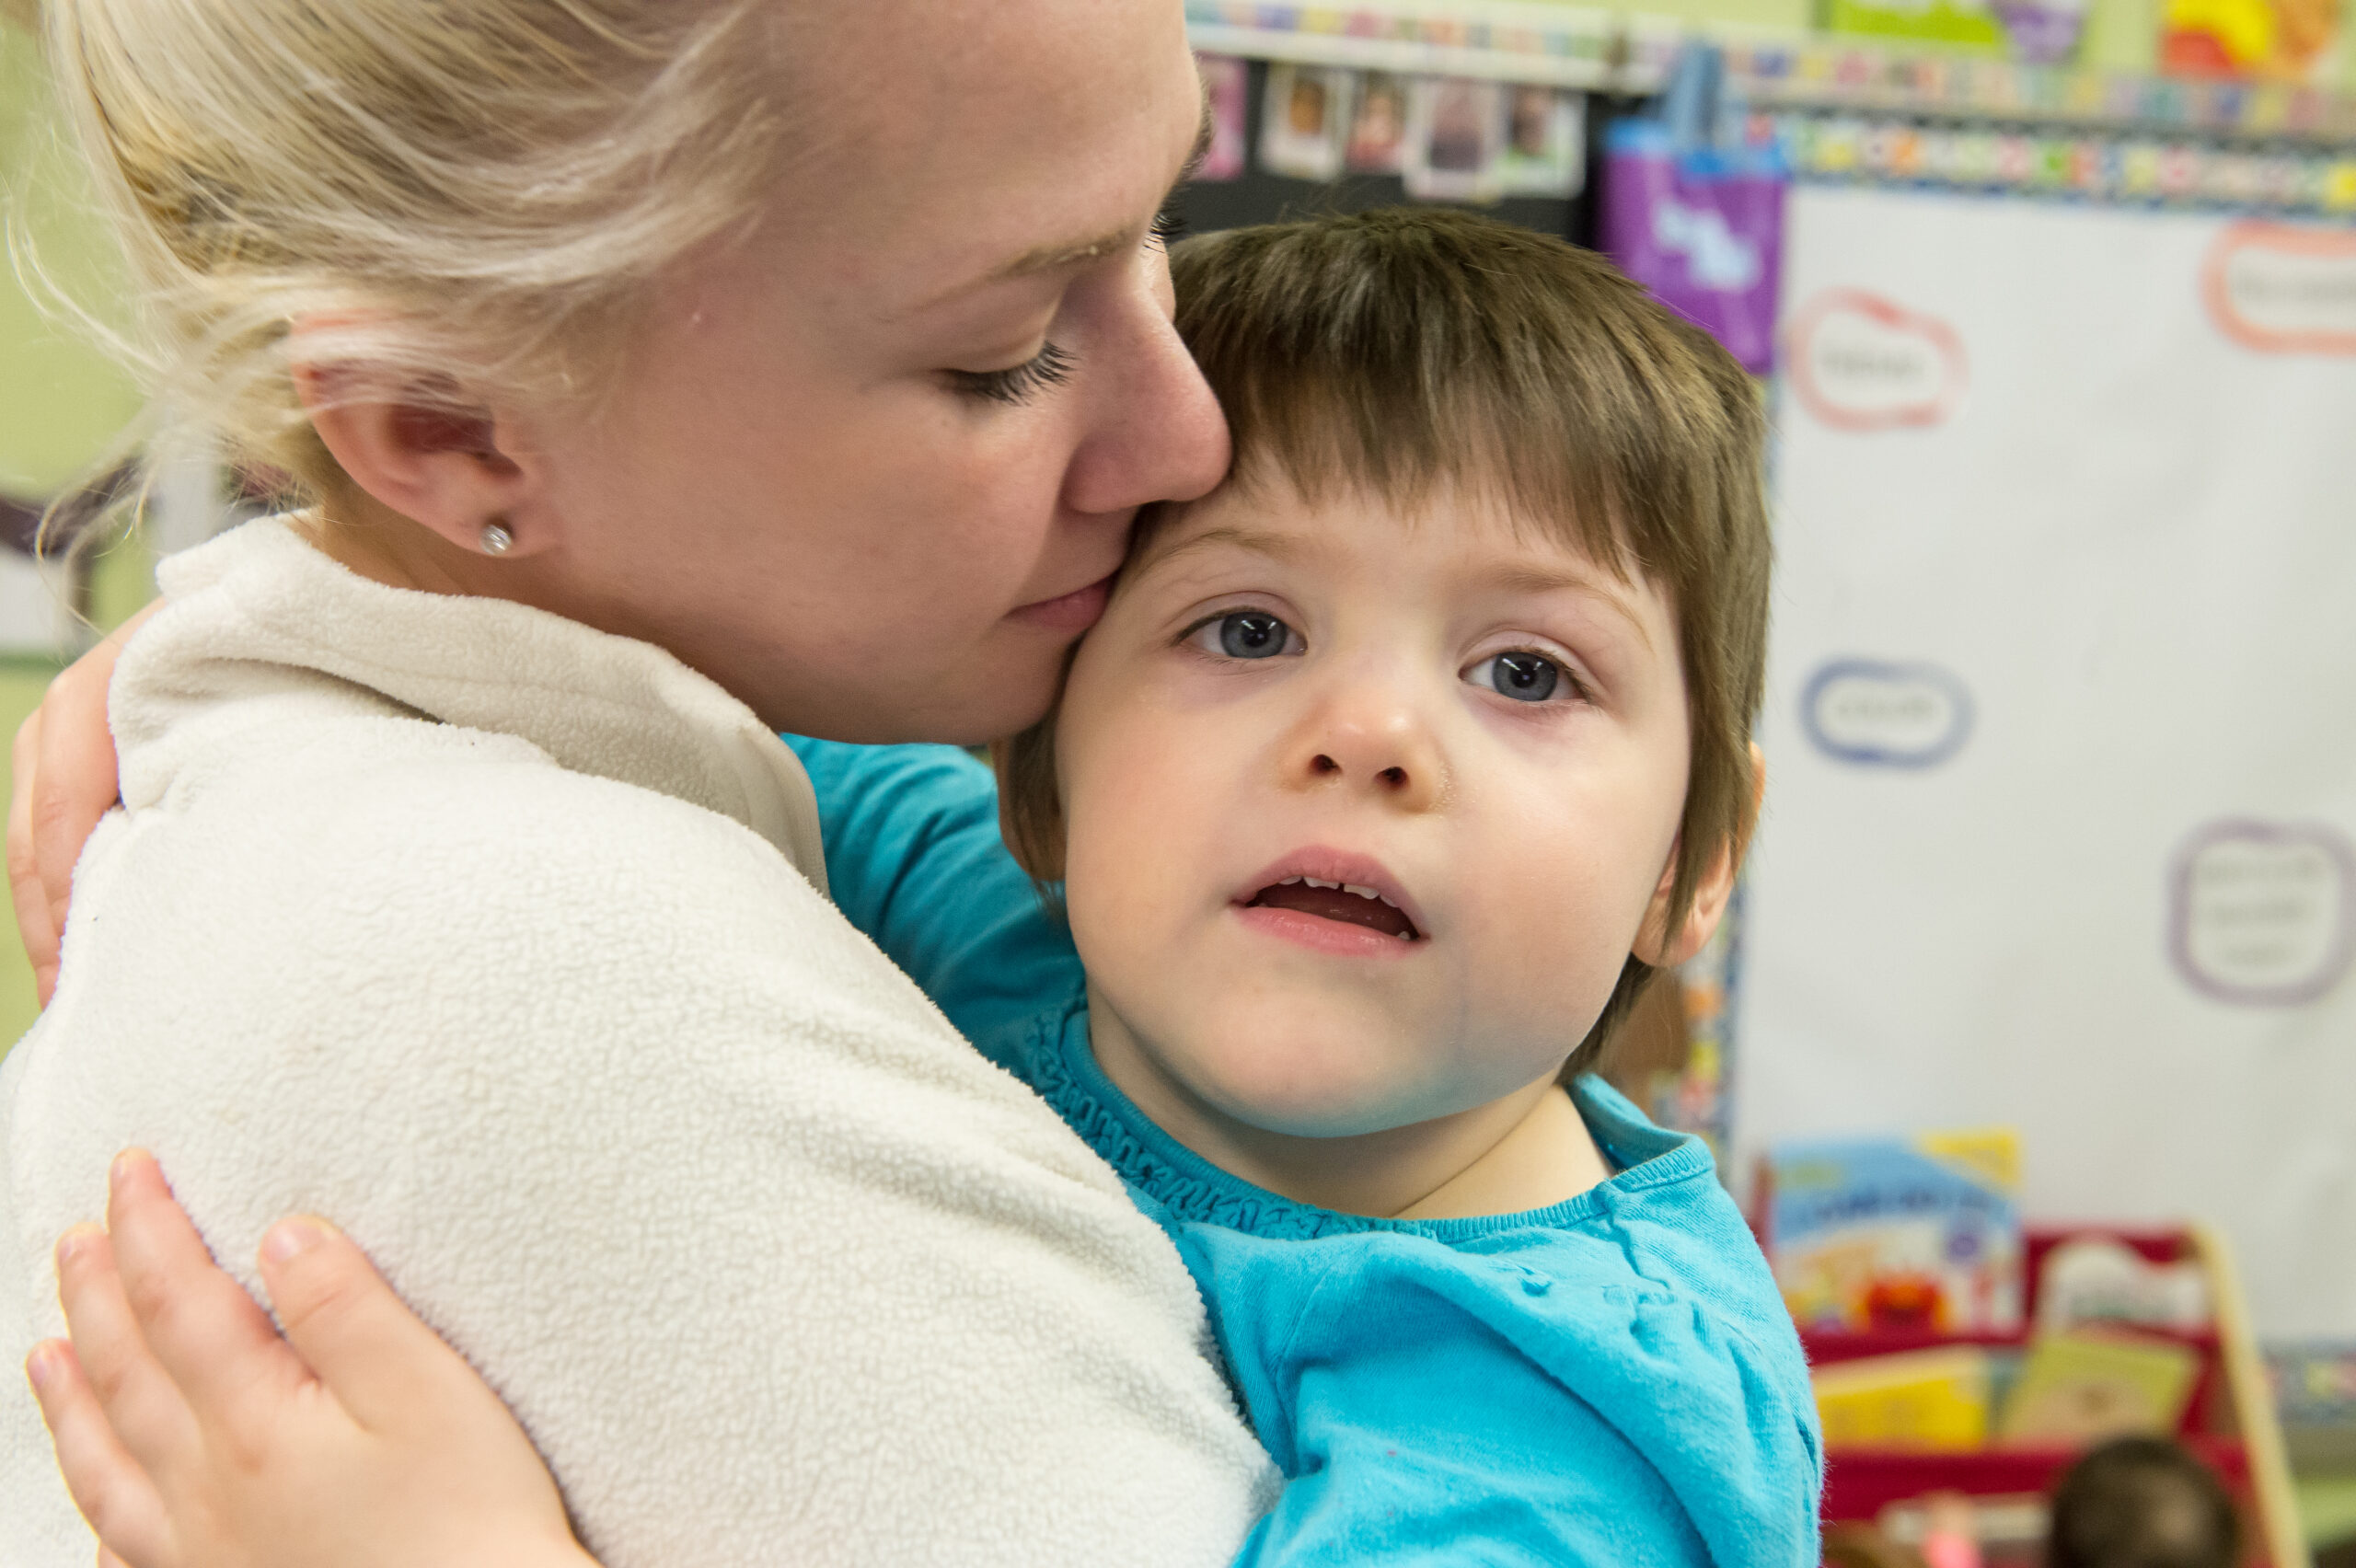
x: 1524, y: 676
x: 1253, y: 634
x: 1245, y: 634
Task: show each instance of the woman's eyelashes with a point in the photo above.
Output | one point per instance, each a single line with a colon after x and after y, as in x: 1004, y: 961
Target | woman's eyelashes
x: 1051, y: 367
x: 1523, y: 675
x: 1244, y: 634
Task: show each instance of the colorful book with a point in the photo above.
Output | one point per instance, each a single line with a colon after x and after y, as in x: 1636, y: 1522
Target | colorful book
x: 1921, y: 1233
x: 1929, y: 1400
x: 2089, y: 1385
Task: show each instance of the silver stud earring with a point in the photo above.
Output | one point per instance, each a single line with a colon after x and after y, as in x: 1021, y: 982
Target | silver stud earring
x: 496, y: 539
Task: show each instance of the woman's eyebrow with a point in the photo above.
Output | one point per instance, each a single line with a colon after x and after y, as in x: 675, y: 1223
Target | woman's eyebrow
x: 1047, y: 258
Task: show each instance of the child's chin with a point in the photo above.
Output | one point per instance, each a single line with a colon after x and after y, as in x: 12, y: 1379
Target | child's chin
x: 1306, y: 1104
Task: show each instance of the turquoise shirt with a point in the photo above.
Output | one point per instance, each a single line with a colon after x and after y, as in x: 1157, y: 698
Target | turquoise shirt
x: 1611, y: 1381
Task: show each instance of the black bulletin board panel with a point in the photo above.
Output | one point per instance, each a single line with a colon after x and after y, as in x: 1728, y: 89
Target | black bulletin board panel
x: 1259, y: 197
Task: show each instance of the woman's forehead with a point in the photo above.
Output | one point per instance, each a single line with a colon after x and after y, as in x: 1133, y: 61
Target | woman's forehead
x: 1052, y: 132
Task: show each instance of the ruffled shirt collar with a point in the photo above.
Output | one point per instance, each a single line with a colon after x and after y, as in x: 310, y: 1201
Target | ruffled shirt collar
x: 1188, y: 1188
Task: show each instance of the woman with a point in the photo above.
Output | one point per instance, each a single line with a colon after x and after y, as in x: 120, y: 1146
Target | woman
x: 664, y: 376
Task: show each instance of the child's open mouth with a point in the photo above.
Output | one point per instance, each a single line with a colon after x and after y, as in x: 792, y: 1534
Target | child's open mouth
x: 1347, y: 902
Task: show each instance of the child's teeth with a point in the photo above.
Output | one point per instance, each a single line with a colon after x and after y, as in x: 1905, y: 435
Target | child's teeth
x: 1361, y: 892
x: 1289, y: 881
x: 1315, y: 882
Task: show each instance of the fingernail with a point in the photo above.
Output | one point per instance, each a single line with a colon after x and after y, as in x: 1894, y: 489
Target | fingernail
x: 75, y: 1242
x: 40, y: 1367
x: 290, y: 1239
x: 119, y: 1171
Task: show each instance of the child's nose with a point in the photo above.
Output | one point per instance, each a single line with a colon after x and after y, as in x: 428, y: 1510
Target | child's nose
x: 1389, y: 756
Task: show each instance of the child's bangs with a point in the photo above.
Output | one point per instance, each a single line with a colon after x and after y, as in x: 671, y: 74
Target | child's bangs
x: 1402, y: 355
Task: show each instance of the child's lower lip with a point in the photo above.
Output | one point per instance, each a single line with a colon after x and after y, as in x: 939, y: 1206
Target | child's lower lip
x: 1321, y: 935
x: 1076, y: 611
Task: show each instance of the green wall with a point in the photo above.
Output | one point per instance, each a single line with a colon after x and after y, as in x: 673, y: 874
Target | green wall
x: 62, y: 400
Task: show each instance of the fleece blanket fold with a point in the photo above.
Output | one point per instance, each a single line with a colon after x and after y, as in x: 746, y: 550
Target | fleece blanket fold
x: 503, y: 942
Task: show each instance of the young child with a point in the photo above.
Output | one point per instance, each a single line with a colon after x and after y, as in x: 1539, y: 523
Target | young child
x: 1394, y: 768
x: 2141, y: 1502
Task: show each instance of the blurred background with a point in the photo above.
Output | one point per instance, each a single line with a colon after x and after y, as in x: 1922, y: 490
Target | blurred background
x: 2032, y: 1045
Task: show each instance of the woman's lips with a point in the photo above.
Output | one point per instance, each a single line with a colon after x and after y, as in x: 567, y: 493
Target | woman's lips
x: 1074, y: 612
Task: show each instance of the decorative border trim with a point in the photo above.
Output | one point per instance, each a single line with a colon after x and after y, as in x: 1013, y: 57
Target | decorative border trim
x: 2073, y: 164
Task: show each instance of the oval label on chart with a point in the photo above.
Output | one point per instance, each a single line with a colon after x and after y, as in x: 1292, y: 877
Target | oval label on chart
x: 1861, y: 362
x: 1878, y: 714
x: 2283, y: 290
x: 2263, y: 914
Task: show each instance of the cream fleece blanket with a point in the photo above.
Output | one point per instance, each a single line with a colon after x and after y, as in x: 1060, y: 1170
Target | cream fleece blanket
x: 482, y: 933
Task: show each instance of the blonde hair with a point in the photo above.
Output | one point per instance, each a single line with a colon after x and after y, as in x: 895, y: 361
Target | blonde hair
x: 466, y: 197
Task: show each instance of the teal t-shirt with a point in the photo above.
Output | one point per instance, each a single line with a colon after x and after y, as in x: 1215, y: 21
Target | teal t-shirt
x: 1610, y: 1381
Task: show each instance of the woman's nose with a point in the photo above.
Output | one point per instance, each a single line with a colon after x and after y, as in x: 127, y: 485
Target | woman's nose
x: 1158, y: 433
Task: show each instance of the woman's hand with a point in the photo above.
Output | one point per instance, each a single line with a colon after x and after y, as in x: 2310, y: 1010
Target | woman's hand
x: 64, y: 763
x: 191, y: 1435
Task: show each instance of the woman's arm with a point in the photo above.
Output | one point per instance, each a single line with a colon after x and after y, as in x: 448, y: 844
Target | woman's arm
x: 914, y: 859
x: 63, y: 781
x: 191, y: 1435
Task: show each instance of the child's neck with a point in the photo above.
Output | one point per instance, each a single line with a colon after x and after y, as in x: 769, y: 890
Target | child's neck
x: 1523, y: 1151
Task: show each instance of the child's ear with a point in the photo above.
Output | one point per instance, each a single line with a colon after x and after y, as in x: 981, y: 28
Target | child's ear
x: 1710, y: 896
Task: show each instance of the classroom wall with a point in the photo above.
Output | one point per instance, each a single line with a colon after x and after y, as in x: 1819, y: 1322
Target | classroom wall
x: 63, y: 400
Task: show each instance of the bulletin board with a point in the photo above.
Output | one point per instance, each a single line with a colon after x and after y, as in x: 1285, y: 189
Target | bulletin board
x: 2060, y: 722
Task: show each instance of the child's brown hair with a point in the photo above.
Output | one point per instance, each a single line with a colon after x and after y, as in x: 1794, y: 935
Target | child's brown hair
x: 1397, y: 352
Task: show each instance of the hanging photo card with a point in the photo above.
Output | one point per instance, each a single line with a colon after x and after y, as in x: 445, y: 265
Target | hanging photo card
x: 1226, y: 83
x: 1545, y: 148
x: 1378, y: 130
x: 1456, y: 135
x: 1305, y: 120
x: 39, y: 592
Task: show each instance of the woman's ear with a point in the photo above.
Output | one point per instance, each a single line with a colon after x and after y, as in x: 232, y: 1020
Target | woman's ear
x: 426, y: 455
x: 1710, y: 897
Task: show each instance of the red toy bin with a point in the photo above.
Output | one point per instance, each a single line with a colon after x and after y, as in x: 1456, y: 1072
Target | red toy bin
x: 2229, y: 1422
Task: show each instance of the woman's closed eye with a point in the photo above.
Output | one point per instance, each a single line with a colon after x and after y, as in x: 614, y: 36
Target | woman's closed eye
x: 1244, y: 634
x: 1523, y: 675
x: 1051, y: 367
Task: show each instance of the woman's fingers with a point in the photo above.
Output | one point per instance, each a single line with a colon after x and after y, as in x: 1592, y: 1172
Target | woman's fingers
x: 36, y: 926
x: 202, y: 1329
x: 73, y: 781
x: 65, y: 780
x: 379, y: 1359
x: 107, y: 1484
x: 134, y: 1394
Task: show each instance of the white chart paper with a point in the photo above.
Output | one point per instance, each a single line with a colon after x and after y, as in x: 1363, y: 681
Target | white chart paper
x: 2062, y: 714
